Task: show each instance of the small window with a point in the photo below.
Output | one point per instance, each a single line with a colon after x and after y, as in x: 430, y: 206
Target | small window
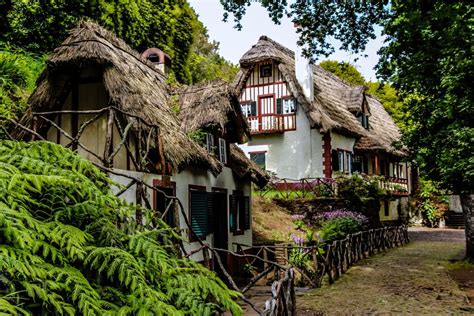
x: 265, y: 70
x: 386, y: 208
x: 249, y: 108
x: 364, y: 120
x: 259, y: 159
x: 210, y: 142
x: 222, y: 151
x: 348, y: 162
x: 240, y: 212
x: 289, y: 106
x: 340, y: 158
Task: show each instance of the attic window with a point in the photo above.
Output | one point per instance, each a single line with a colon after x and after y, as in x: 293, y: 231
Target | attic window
x: 154, y: 58
x: 364, y: 120
x: 265, y: 70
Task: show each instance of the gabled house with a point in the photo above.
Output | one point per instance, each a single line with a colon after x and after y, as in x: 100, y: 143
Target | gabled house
x: 113, y: 106
x: 307, y: 123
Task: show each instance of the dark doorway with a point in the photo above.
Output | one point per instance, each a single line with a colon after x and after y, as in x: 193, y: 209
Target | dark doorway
x: 220, y: 223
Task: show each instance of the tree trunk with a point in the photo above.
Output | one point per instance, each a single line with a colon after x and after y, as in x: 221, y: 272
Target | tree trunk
x: 467, y: 203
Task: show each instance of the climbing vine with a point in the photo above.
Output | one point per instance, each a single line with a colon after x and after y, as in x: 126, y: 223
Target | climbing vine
x: 69, y: 246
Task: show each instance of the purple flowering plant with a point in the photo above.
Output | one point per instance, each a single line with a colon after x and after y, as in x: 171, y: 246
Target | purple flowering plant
x: 340, y: 213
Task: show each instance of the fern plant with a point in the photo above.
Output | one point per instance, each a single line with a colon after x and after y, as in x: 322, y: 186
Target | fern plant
x: 69, y: 246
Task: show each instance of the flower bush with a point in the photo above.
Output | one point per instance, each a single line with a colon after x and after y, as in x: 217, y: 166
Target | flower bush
x: 339, y: 228
x: 340, y: 213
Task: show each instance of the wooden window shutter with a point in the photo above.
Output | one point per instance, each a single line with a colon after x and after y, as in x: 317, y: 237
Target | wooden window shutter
x: 199, y: 218
x: 335, y: 160
x: 253, y: 108
x: 279, y: 104
x: 295, y: 102
x: 210, y: 213
x: 233, y: 212
x: 247, y: 215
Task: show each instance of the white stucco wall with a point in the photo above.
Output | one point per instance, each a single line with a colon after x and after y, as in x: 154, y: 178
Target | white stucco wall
x: 342, y: 142
x: 292, y: 154
x: 225, y: 180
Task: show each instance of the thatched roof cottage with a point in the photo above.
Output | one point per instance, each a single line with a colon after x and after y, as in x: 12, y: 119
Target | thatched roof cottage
x: 307, y: 123
x: 111, y: 104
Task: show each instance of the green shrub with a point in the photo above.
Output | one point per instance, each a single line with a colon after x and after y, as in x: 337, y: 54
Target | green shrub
x: 338, y: 228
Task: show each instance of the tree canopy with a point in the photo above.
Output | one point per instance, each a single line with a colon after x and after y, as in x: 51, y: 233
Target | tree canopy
x: 69, y: 246
x: 173, y: 26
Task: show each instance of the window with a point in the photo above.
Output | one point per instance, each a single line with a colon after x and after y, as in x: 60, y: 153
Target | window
x: 341, y: 160
x: 249, y: 108
x: 239, y: 212
x: 222, y: 150
x: 364, y: 120
x: 258, y: 158
x: 198, y: 207
x: 348, y: 162
x: 286, y: 105
x: 210, y: 142
x: 360, y: 164
x: 265, y: 70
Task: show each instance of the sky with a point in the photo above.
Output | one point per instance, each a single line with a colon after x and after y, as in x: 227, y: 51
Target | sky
x: 234, y: 43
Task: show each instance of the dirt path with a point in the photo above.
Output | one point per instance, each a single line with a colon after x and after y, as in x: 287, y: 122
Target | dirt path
x: 409, y: 279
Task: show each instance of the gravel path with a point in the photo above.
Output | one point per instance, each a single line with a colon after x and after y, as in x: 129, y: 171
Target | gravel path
x: 410, y: 279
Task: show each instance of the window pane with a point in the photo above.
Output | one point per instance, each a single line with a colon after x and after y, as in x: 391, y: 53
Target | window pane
x: 259, y: 159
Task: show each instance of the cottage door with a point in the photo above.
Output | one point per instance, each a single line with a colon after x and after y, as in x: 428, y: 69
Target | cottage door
x: 267, y: 112
x: 220, y: 229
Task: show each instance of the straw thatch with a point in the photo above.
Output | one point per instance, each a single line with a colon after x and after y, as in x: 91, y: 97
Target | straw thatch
x: 213, y: 106
x: 383, y: 131
x: 335, y: 101
x: 243, y: 167
x: 330, y: 109
x: 132, y: 84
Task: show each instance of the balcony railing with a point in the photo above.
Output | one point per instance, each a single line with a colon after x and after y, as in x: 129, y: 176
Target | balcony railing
x: 272, y: 123
x: 395, y: 186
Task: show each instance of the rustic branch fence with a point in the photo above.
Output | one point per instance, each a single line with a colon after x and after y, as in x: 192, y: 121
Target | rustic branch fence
x: 336, y: 259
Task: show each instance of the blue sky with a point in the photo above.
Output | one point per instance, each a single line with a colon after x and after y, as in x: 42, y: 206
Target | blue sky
x: 233, y: 43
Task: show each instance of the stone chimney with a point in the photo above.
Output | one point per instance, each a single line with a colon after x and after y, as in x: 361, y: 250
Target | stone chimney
x: 304, y: 72
x: 159, y: 59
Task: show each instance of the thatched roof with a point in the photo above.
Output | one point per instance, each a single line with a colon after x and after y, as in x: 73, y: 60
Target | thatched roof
x: 330, y: 109
x: 243, y: 167
x: 335, y: 101
x: 383, y: 131
x: 212, y: 105
x: 132, y: 83
x: 215, y: 104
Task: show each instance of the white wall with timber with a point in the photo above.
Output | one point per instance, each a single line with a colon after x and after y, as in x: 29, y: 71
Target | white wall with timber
x: 225, y: 180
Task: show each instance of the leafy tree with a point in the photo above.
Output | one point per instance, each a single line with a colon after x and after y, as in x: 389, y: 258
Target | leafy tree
x: 427, y: 57
x: 169, y: 25
x: 69, y: 246
x: 345, y: 71
x: 205, y: 61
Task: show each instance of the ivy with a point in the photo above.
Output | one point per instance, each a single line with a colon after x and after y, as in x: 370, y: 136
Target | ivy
x: 69, y: 246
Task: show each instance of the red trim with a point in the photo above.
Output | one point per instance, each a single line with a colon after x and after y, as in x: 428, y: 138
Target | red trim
x: 327, y: 155
x: 163, y: 184
x: 258, y: 152
x: 245, y: 101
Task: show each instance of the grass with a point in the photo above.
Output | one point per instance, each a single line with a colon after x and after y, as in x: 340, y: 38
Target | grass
x: 271, y: 223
